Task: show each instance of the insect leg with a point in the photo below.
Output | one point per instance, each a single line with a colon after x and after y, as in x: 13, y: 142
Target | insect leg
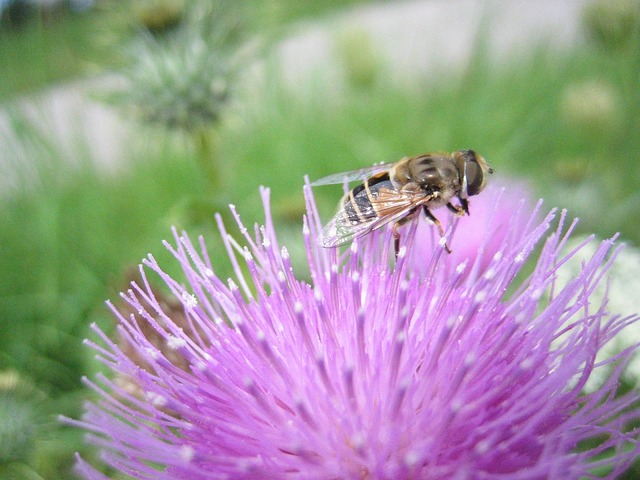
x: 396, y: 233
x: 437, y: 223
x: 461, y: 209
x: 464, y: 203
x: 396, y: 238
x: 458, y: 210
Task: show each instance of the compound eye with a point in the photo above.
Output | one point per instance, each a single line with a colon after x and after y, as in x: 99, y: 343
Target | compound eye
x: 475, y: 177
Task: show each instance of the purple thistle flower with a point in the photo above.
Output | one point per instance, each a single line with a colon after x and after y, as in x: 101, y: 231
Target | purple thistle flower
x: 427, y: 367
x: 475, y: 242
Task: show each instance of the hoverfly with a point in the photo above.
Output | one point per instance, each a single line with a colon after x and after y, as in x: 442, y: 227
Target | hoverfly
x: 394, y: 193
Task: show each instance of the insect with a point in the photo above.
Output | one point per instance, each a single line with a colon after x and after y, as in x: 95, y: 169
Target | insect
x: 394, y: 193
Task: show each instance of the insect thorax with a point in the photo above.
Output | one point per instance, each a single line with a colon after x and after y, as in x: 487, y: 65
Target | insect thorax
x: 431, y: 173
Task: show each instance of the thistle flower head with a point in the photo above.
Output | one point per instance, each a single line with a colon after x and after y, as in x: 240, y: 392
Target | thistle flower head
x: 184, y: 80
x: 373, y: 369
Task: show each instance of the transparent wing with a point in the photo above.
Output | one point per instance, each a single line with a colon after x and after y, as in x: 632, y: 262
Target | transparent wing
x: 368, y: 211
x: 353, y: 175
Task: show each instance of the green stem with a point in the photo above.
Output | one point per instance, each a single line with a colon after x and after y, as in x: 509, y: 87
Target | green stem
x: 206, y: 142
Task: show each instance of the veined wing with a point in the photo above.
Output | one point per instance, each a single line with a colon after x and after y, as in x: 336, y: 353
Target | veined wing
x: 367, y: 210
x: 360, y: 174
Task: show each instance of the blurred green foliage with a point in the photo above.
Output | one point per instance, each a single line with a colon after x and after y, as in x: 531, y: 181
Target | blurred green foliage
x: 43, y: 52
x: 566, y: 121
x: 48, y: 45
